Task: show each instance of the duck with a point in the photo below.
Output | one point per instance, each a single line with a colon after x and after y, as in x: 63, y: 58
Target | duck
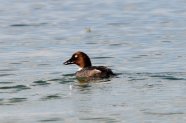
x: 86, y: 70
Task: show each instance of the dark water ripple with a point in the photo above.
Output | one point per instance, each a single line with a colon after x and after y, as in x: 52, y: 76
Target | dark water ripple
x: 40, y: 82
x: 67, y: 78
x: 16, y: 100
x: 163, y: 113
x: 63, y: 80
x: 51, y: 97
x: 51, y: 119
x: 25, y: 25
x: 15, y: 87
x: 168, y: 77
x: 161, y: 75
x: 12, y: 101
x: 6, y: 82
x: 6, y: 74
x: 7, y: 70
x: 100, y: 119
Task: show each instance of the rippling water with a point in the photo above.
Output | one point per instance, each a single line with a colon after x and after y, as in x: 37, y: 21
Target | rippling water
x: 142, y: 40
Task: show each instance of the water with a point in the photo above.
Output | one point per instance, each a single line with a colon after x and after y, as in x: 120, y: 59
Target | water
x: 143, y: 40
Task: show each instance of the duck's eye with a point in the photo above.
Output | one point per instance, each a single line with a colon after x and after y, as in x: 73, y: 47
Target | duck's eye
x: 76, y: 56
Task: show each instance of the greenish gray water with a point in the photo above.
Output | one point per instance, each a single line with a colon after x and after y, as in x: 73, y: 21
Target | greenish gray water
x: 142, y: 40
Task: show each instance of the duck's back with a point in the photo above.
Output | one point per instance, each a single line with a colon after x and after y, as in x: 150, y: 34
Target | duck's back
x: 95, y: 71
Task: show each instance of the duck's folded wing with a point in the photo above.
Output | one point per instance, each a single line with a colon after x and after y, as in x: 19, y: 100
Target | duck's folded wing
x: 95, y: 71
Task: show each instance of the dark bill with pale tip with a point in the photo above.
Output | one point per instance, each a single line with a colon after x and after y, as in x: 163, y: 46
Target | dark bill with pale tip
x: 68, y: 62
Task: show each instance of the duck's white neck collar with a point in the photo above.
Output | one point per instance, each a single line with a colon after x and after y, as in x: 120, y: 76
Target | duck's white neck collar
x: 80, y: 68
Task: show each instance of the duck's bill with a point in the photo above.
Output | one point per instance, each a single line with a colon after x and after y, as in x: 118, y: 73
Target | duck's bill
x: 68, y: 62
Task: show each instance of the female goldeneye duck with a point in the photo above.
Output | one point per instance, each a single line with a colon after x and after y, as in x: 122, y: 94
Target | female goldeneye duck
x: 86, y: 69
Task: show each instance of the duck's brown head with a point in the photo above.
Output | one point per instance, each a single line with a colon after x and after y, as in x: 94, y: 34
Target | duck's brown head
x: 79, y: 58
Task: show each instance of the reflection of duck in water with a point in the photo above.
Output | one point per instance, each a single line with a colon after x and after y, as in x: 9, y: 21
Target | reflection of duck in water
x: 86, y: 69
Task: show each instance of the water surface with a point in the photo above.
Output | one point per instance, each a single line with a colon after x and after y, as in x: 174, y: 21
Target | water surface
x: 142, y: 40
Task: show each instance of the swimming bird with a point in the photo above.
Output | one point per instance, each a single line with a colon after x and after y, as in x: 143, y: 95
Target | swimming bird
x: 86, y: 70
